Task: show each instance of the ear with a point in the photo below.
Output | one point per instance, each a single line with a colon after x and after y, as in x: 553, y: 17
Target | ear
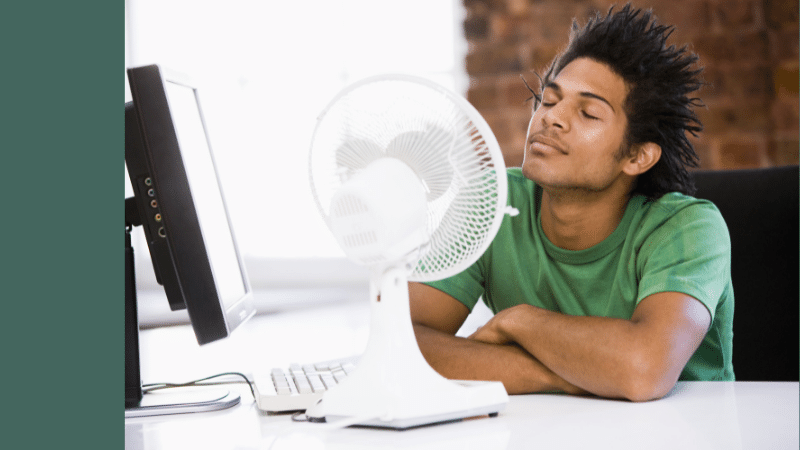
x: 645, y: 157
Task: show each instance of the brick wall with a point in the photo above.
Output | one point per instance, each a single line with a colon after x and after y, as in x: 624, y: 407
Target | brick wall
x: 749, y: 49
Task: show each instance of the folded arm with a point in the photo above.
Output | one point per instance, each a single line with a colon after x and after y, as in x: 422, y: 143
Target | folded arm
x: 638, y: 359
x: 438, y: 316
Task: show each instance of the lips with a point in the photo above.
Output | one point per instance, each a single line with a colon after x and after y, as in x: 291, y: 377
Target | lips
x: 545, y: 144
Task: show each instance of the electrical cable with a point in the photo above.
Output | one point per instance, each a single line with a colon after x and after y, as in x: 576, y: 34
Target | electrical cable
x: 200, y: 382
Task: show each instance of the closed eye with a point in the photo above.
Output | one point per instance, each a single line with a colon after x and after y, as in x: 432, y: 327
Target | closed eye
x: 589, y: 116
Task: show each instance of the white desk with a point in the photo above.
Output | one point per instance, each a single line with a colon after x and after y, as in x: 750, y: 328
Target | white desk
x: 695, y: 415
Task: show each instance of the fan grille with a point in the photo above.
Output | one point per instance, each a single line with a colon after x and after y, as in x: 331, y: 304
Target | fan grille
x: 441, y: 137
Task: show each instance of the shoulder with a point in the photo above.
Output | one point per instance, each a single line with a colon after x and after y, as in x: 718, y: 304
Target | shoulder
x: 678, y: 210
x: 680, y: 221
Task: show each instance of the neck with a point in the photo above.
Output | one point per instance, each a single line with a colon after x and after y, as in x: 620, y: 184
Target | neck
x: 575, y: 220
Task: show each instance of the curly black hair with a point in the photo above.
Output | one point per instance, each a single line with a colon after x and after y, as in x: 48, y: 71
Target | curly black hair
x: 659, y: 78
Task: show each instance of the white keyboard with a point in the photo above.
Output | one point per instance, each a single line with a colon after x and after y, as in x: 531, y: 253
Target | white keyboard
x: 300, y: 386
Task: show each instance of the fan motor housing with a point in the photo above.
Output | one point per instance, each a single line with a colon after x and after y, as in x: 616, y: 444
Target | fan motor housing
x: 380, y: 213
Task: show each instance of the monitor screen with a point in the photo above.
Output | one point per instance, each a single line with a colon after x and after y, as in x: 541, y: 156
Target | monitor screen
x: 181, y: 205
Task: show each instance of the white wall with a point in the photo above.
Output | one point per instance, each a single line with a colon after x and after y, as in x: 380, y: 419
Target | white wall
x: 264, y: 71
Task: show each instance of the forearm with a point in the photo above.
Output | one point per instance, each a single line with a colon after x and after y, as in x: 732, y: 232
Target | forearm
x: 605, y: 356
x: 465, y: 359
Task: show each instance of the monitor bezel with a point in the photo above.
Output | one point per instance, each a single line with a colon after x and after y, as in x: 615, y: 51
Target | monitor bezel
x: 179, y: 254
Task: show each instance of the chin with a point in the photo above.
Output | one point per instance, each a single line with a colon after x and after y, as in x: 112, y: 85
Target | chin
x: 544, y: 176
x: 533, y: 169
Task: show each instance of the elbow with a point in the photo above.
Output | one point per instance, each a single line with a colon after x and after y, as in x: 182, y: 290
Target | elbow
x: 645, y: 392
x: 645, y: 381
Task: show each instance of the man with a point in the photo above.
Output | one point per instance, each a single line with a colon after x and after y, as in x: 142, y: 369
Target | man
x: 612, y: 280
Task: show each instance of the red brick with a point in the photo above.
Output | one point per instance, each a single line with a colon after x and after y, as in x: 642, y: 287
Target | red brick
x: 479, y: 60
x: 740, y: 46
x: 715, y: 82
x: 733, y: 14
x: 715, y: 47
x: 738, y: 153
x: 751, y: 47
x: 541, y: 56
x: 783, y: 43
x: 476, y: 27
x: 785, y: 152
x: 498, y: 125
x: 751, y: 83
x: 738, y: 116
x: 483, y: 96
x: 511, y: 156
x: 495, y: 5
x: 506, y: 28
x: 708, y: 150
x: 786, y: 114
x: 704, y: 151
x: 516, y: 94
x: 517, y: 119
x: 518, y: 8
x: 786, y: 81
x: 689, y: 17
x: 779, y: 13
x: 493, y: 59
x: 550, y: 22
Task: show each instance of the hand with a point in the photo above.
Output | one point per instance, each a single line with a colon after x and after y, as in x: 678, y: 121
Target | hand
x: 490, y: 335
x: 497, y: 329
x: 492, y: 332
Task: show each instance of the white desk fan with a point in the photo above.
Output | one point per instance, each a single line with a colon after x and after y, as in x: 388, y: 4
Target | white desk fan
x: 411, y: 181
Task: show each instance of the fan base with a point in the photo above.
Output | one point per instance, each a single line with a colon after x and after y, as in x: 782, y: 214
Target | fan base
x: 390, y: 402
x: 393, y: 386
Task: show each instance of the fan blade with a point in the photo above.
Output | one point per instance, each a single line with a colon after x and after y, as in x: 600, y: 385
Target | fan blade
x: 427, y: 153
x: 355, y: 154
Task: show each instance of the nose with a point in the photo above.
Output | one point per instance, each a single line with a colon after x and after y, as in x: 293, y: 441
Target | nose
x: 557, y: 116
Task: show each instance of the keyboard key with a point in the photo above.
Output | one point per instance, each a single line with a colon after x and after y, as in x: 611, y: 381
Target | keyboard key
x: 339, y: 375
x: 328, y: 379
x: 265, y: 384
x: 296, y: 370
x: 292, y: 387
x: 283, y: 389
x: 281, y: 383
x: 298, y: 386
x: 303, y: 386
x: 316, y: 383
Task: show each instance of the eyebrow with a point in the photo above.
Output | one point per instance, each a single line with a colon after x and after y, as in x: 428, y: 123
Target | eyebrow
x: 553, y: 85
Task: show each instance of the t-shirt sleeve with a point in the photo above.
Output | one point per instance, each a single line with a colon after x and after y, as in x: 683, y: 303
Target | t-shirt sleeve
x: 466, y: 286
x: 690, y: 253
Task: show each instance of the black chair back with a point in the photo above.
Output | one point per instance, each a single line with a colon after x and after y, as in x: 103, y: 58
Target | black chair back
x: 760, y: 207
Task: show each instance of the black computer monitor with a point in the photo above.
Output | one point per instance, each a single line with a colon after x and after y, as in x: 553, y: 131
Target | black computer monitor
x: 178, y: 202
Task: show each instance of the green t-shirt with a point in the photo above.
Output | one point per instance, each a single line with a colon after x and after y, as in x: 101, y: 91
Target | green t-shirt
x: 674, y: 244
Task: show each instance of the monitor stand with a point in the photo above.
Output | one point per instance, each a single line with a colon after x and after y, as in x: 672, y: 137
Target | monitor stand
x: 191, y: 400
x: 169, y: 401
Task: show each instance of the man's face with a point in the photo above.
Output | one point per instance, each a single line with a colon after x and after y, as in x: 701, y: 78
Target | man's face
x: 575, y: 135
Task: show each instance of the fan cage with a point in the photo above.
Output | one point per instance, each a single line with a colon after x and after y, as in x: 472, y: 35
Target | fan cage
x: 441, y: 137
